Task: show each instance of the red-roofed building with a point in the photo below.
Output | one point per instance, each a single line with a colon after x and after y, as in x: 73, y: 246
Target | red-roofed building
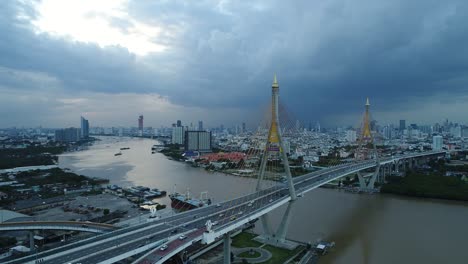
x: 231, y: 156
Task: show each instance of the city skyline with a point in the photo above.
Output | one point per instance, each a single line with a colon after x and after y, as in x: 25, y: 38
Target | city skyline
x: 168, y: 62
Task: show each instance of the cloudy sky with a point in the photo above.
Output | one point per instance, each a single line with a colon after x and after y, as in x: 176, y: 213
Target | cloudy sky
x: 111, y: 60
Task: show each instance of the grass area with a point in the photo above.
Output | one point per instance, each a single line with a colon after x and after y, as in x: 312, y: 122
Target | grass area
x: 247, y: 254
x: 245, y: 240
x: 280, y: 255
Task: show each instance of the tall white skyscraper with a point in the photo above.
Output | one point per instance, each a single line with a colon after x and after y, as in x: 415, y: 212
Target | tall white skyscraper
x: 178, y: 134
x: 84, y: 128
x: 437, y: 142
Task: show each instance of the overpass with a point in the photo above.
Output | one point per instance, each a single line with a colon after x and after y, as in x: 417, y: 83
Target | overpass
x: 229, y: 215
x: 57, y: 225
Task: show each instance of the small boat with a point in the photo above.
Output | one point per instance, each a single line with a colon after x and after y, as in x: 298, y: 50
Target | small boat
x: 125, y: 148
x: 118, y: 153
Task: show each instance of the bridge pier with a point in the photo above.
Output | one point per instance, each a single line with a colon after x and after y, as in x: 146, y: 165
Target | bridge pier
x: 227, y: 248
x: 283, y: 228
x: 370, y: 185
x: 32, y: 246
x: 266, y: 225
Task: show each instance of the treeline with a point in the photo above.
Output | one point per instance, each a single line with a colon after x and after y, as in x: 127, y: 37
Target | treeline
x: 52, y: 176
x: 31, y: 156
x: 427, y: 186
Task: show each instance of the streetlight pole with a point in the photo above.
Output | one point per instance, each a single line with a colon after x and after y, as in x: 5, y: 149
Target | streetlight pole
x: 36, y: 249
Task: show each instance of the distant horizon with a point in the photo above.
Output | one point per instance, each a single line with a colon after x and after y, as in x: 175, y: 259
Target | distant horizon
x: 216, y: 60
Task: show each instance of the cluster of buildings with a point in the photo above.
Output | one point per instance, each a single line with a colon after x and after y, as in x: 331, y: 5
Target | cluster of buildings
x: 193, y: 139
x: 73, y: 134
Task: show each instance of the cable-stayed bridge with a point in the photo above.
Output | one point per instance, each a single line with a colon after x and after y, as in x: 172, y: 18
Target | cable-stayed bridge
x: 161, y: 239
x: 123, y: 243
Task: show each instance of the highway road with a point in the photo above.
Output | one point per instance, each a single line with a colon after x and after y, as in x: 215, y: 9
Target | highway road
x: 144, y: 237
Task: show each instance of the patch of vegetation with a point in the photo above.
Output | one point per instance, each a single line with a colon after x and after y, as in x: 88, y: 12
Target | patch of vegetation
x: 31, y: 156
x: 52, y: 176
x: 6, y: 242
x: 280, y: 255
x: 428, y: 186
x: 173, y: 151
x: 245, y: 240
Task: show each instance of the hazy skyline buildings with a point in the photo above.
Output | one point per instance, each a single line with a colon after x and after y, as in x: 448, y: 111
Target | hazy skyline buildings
x: 140, y: 125
x: 84, y: 127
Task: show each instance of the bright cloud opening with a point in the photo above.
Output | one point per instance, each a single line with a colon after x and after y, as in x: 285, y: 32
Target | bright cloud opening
x: 105, y: 22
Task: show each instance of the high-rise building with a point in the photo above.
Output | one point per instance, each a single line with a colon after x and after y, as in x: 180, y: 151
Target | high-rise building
x: 200, y: 125
x: 140, y: 125
x: 179, y: 123
x: 84, y: 128
x: 244, y: 129
x: 464, y: 132
x: 68, y: 134
x: 402, y: 125
x: 351, y: 136
x: 456, y: 131
x: 198, y: 140
x: 387, y: 132
x: 437, y: 142
x: 178, y: 134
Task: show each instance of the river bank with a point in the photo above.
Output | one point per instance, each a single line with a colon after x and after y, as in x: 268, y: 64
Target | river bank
x: 432, y: 185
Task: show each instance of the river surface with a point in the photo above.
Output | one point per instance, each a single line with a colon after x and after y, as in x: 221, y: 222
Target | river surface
x: 366, y: 228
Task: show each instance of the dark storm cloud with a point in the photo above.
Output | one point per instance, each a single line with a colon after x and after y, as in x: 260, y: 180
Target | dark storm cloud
x: 329, y: 55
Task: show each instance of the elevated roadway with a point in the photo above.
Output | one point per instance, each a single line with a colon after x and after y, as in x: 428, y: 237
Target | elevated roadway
x: 229, y: 215
x: 57, y: 225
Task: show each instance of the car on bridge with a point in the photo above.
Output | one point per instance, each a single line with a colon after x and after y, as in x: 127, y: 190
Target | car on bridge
x: 163, y: 247
x: 182, y: 237
x: 233, y: 218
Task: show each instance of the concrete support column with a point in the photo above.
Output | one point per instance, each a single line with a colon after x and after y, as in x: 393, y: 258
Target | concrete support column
x: 32, y: 246
x: 373, y: 178
x: 362, y: 181
x: 266, y: 225
x: 283, y: 228
x: 262, y: 170
x: 227, y: 248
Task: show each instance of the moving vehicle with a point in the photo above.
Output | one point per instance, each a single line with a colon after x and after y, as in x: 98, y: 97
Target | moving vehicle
x: 163, y: 247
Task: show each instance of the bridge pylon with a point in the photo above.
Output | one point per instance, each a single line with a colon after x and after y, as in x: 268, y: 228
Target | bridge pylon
x: 275, y: 149
x: 367, y: 150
